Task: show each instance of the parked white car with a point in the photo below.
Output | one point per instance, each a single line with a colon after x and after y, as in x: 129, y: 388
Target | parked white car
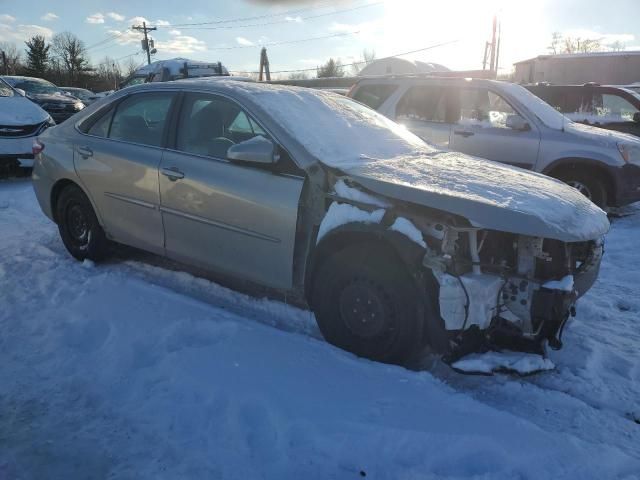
x: 21, y: 120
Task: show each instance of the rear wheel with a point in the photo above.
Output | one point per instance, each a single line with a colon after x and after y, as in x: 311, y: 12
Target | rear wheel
x: 589, y: 186
x: 365, y: 302
x: 78, y: 225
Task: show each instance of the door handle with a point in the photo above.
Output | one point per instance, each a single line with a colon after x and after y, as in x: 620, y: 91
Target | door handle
x: 463, y: 133
x: 85, y: 152
x: 172, y: 173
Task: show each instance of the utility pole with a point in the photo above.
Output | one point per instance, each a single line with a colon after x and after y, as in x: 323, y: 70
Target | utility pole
x: 498, y: 47
x: 264, y: 65
x: 145, y: 29
x: 492, y: 63
x: 486, y: 54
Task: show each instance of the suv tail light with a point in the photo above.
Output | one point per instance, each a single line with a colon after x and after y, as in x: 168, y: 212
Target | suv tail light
x: 37, y: 147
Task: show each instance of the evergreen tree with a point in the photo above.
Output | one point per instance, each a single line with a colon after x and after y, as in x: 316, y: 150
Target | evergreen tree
x: 37, y: 56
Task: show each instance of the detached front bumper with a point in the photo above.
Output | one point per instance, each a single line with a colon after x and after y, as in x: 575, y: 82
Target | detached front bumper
x: 488, y: 311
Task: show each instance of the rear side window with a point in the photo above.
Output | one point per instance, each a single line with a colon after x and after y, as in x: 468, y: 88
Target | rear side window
x: 374, y: 95
x: 613, y: 107
x: 141, y: 118
x: 424, y: 103
x: 101, y: 127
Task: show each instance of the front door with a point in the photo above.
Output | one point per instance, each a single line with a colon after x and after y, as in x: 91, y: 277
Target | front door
x: 117, y: 160
x: 482, y: 130
x: 423, y: 110
x: 234, y: 218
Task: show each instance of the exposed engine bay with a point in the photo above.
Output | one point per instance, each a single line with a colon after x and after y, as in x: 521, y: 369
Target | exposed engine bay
x: 497, y: 290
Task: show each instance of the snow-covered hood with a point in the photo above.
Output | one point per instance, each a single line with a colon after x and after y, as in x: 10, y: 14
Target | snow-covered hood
x: 603, y: 136
x: 19, y: 111
x: 490, y: 195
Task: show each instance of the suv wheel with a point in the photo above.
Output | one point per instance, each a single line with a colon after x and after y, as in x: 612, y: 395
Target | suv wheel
x: 590, y: 187
x: 365, y: 302
x: 79, y: 229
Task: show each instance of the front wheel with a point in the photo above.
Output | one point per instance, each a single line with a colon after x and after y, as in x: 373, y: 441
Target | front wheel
x: 78, y: 225
x: 590, y: 187
x: 366, y: 303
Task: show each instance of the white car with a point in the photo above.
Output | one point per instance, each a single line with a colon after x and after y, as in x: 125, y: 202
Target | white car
x: 21, y: 120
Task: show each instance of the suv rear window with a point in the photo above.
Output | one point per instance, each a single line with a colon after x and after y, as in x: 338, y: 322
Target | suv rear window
x: 374, y: 95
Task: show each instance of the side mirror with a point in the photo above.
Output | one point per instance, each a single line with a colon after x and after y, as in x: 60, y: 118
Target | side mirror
x: 636, y: 117
x: 516, y: 122
x: 255, y: 150
x: 21, y: 92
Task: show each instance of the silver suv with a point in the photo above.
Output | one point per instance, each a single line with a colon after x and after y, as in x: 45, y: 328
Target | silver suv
x: 392, y: 243
x: 506, y: 123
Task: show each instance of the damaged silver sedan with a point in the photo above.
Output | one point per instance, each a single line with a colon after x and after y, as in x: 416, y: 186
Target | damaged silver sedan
x: 394, y: 245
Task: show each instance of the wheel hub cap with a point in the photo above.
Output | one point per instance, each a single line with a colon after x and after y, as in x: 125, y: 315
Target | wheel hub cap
x: 362, y: 310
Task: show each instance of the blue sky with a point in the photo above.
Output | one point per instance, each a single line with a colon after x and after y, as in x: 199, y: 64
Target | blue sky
x: 346, y: 28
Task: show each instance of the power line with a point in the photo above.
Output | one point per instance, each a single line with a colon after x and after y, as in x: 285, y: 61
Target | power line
x: 364, y: 61
x: 270, y: 15
x: 285, y: 42
x: 104, y: 41
x: 263, y: 24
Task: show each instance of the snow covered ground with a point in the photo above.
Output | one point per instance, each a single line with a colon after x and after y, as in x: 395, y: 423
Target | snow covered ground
x: 129, y: 370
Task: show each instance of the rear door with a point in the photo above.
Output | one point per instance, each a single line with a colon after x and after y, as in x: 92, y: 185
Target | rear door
x: 424, y: 110
x: 481, y: 129
x: 117, y: 160
x: 234, y: 218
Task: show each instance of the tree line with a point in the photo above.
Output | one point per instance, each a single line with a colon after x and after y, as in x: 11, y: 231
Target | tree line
x: 63, y: 61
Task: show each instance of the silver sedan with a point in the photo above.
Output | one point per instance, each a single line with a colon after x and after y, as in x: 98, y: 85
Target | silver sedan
x: 394, y: 244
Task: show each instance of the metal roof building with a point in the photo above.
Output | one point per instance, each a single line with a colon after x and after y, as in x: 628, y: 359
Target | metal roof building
x: 606, y: 68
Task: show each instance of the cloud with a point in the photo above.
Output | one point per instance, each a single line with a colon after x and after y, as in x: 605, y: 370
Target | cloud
x: 175, y: 32
x: 4, y: 18
x: 181, y: 44
x: 21, y: 33
x: 244, y: 41
x: 162, y: 23
x: 297, y: 19
x: 49, y: 17
x: 116, y: 16
x: 95, y: 18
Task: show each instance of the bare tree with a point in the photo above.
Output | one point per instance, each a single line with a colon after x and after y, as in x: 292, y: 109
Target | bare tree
x: 556, y: 42
x: 129, y: 67
x: 617, y: 46
x: 9, y: 58
x: 368, y: 56
x: 71, y: 52
x: 581, y: 45
x: 333, y: 68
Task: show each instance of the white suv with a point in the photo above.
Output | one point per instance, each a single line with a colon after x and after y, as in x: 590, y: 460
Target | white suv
x: 506, y: 123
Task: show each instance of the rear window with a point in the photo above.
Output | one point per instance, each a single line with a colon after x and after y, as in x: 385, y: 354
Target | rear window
x: 374, y: 95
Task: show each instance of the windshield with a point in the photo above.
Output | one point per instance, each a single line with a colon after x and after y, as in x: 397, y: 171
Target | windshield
x: 541, y: 109
x: 5, y: 89
x: 37, y: 86
x: 342, y: 132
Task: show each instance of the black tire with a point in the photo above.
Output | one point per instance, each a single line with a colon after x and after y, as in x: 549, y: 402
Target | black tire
x: 366, y: 303
x: 592, y: 188
x: 81, y: 233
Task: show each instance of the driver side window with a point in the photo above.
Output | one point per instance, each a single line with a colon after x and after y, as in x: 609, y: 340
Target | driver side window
x: 209, y: 125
